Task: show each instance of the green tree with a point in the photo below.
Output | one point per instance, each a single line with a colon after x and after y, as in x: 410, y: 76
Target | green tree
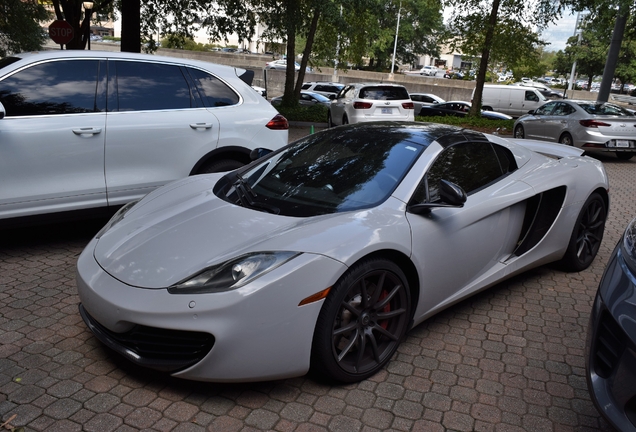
x: 481, y: 28
x: 20, y: 26
x: 72, y: 11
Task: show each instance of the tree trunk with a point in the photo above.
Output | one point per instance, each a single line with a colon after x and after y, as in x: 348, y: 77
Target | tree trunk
x: 131, y: 26
x: 475, y: 110
x: 612, y: 56
x: 306, y: 53
x: 290, y: 72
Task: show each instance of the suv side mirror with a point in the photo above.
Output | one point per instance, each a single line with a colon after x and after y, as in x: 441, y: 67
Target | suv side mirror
x: 451, y: 195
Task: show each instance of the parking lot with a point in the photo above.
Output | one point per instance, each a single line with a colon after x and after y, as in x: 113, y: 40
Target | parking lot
x: 508, y: 359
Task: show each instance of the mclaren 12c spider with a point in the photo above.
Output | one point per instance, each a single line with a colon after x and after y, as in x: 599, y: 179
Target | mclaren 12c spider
x: 323, y: 254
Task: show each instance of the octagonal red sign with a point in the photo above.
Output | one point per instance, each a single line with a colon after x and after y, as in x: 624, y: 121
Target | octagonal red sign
x: 61, y: 32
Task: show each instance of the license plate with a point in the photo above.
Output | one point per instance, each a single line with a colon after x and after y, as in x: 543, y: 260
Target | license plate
x: 387, y: 110
x: 622, y: 143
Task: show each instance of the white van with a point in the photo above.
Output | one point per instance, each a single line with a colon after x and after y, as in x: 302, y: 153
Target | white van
x: 509, y: 99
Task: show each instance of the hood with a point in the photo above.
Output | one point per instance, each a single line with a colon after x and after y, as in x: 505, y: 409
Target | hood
x: 177, y: 231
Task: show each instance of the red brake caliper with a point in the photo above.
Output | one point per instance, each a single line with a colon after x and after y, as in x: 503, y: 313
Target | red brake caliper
x: 384, y: 324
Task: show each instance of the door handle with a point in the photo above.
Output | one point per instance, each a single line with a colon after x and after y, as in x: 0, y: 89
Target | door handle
x: 87, y: 131
x: 201, y: 125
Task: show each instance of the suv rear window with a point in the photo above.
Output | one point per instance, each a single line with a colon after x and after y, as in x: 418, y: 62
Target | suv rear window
x: 384, y: 93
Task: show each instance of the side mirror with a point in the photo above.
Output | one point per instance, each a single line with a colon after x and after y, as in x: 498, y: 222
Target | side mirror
x: 531, y: 112
x: 451, y: 195
x: 2, y: 111
x: 332, y: 96
x: 258, y: 153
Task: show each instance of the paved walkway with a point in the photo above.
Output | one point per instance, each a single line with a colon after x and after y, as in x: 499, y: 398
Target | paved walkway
x: 508, y: 359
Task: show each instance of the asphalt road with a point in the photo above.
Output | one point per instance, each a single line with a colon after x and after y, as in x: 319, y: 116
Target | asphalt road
x: 508, y: 359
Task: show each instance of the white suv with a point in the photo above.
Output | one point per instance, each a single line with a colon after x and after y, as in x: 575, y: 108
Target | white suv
x: 364, y: 102
x: 90, y: 129
x: 329, y: 89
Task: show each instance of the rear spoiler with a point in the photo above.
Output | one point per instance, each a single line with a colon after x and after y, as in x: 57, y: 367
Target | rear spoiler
x: 246, y: 75
x: 548, y: 148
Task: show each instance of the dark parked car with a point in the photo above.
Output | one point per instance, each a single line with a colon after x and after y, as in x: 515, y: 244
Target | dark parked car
x: 611, y: 340
x: 459, y: 109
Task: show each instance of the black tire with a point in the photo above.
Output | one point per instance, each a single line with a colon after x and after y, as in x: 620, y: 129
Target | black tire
x: 624, y: 155
x: 519, y: 131
x: 566, y: 139
x: 220, y: 165
x: 329, y: 121
x: 362, y: 321
x: 587, y: 235
x: 345, y: 120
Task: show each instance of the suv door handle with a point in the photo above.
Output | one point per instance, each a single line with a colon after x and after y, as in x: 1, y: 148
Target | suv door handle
x: 87, y: 131
x: 201, y: 125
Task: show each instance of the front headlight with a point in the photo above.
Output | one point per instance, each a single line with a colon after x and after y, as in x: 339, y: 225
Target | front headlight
x: 628, y: 245
x: 232, y: 274
x: 117, y: 217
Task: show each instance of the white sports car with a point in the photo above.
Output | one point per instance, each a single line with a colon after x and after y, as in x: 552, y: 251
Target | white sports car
x: 325, y: 253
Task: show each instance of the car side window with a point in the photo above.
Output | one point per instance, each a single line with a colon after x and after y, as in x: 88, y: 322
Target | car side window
x: 306, y: 86
x: 55, y: 87
x: 417, y: 98
x: 215, y: 93
x: 472, y: 166
x: 531, y: 96
x: 145, y: 86
x: 562, y: 109
x: 545, y: 109
x: 428, y: 99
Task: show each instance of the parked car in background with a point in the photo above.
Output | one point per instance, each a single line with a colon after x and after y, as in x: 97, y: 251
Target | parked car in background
x: 426, y: 71
x: 592, y: 126
x: 510, y: 99
x: 458, y: 109
x: 282, y: 65
x: 326, y: 253
x: 364, y: 102
x: 72, y: 140
x: 610, y: 360
x: 325, y: 88
x: 424, y: 99
x: 260, y: 90
x: 307, y: 99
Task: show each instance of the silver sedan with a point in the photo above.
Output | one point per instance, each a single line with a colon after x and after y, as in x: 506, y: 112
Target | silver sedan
x: 592, y: 126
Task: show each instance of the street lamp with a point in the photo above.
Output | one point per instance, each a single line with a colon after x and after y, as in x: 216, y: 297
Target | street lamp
x: 397, y: 30
x: 88, y: 8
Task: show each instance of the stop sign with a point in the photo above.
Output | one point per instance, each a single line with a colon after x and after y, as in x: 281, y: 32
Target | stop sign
x: 61, y: 32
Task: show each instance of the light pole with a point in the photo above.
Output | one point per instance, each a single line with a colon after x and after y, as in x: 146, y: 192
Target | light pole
x: 88, y: 9
x: 397, y: 30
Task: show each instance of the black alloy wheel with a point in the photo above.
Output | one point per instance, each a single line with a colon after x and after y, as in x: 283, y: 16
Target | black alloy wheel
x: 519, y: 132
x: 586, y: 236
x: 362, y: 321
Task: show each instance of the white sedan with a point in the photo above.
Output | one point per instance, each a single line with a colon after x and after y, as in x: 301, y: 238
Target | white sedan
x: 325, y: 253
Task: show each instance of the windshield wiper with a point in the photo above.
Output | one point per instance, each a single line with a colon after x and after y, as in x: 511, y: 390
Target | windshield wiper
x: 246, y: 195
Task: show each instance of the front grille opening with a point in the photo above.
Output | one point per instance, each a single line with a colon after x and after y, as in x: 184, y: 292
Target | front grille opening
x: 156, y: 348
x: 608, y: 347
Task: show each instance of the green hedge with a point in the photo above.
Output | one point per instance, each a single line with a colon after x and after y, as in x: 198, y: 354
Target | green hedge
x: 314, y: 113
x: 504, y: 127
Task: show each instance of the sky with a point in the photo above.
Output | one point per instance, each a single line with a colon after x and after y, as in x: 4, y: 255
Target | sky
x: 557, y: 34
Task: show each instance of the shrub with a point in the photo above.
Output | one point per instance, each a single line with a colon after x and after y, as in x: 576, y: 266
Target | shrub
x: 480, y: 124
x: 313, y: 113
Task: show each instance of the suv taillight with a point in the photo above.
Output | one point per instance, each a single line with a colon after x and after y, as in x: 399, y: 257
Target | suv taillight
x: 408, y: 105
x: 279, y: 122
x: 362, y: 105
x: 593, y: 123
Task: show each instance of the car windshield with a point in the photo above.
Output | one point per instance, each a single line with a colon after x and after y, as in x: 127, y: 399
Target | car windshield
x: 604, y: 109
x: 384, y: 93
x: 329, y: 172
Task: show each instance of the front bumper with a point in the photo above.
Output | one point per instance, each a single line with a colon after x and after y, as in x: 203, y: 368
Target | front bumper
x: 611, y: 352
x: 257, y: 332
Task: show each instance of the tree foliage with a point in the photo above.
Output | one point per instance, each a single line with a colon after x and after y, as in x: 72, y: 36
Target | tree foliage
x: 72, y: 11
x: 20, y: 26
x: 505, y: 29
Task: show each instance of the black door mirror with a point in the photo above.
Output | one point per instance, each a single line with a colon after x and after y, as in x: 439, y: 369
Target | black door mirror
x: 451, y: 195
x: 258, y: 153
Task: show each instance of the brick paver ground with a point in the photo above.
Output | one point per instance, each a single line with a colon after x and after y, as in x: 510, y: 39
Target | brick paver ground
x: 508, y: 359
